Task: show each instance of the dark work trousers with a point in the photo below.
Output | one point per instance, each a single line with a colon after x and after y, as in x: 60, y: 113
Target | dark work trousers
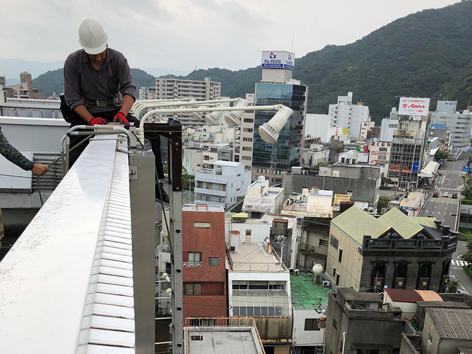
x: 154, y: 139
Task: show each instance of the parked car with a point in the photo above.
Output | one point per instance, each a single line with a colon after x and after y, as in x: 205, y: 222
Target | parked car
x: 454, y: 195
x: 440, y: 174
x: 446, y: 194
x: 436, y: 194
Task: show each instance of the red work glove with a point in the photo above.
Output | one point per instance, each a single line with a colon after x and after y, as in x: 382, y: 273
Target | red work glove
x: 97, y: 121
x: 122, y: 118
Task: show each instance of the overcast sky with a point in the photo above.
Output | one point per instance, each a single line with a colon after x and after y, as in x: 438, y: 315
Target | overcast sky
x: 160, y: 36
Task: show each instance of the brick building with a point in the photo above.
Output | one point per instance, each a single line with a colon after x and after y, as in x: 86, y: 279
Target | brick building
x: 204, y: 261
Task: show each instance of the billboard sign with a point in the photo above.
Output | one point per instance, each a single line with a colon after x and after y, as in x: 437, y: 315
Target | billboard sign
x: 278, y: 60
x: 413, y: 106
x: 250, y: 97
x: 416, y: 166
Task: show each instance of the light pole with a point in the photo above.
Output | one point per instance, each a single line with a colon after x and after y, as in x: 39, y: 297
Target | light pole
x: 269, y: 132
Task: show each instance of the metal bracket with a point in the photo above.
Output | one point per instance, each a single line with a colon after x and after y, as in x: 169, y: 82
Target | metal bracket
x: 133, y: 172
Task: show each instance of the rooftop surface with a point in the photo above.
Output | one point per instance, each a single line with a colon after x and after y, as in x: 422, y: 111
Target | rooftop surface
x: 203, y: 207
x: 228, y: 341
x: 452, y: 323
x: 307, y: 295
x: 252, y: 257
x: 405, y: 226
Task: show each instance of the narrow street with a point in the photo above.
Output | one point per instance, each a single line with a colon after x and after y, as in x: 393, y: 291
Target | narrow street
x: 445, y: 209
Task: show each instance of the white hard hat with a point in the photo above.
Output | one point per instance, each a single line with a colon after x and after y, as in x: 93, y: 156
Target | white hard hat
x: 92, y: 36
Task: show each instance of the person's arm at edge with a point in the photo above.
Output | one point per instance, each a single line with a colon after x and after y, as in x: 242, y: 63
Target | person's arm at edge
x: 17, y: 158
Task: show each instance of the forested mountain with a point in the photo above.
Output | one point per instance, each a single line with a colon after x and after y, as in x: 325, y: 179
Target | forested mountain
x: 426, y: 54
x: 53, y: 81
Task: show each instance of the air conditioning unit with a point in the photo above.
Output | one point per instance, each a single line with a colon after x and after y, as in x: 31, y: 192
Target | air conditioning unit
x: 304, y: 172
x: 296, y: 272
x: 326, y: 284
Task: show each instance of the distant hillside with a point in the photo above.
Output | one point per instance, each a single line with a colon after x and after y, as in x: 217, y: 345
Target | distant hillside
x: 53, y: 81
x: 427, y: 54
x: 12, y: 68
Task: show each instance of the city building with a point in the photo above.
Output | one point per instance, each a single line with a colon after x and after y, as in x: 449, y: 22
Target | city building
x: 353, y: 157
x: 388, y: 126
x: 379, y: 153
x: 406, y: 157
x: 28, y: 108
x: 261, y: 199
x: 221, y: 184
x: 259, y: 286
x: 367, y: 127
x: 24, y: 89
x: 319, y: 126
x: 244, y: 137
x: 447, y: 330
x: 278, y: 87
x: 315, y: 212
x: 222, y: 335
x: 314, y: 153
x: 360, y: 182
x: 358, y: 323
x: 3, y: 81
x: 204, y: 274
x: 459, y: 124
x: 309, y: 301
x: 393, y: 250
x: 147, y: 93
x: 171, y: 88
x: 348, y: 117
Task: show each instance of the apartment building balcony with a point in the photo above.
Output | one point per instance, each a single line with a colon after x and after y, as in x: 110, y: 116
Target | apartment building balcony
x: 313, y: 250
x: 213, y: 192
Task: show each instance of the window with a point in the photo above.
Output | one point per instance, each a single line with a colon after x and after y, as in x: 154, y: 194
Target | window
x: 430, y: 339
x: 334, y: 271
x: 323, y: 243
x: 335, y: 324
x: 247, y: 148
x: 193, y: 288
x: 334, y: 242
x: 214, y: 261
x: 194, y: 257
x: 340, y: 255
x: 337, y: 279
x: 196, y: 337
x: 201, y: 225
x: 312, y: 324
x: 247, y: 158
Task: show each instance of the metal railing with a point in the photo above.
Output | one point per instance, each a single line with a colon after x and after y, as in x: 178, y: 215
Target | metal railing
x: 447, y: 243
x: 192, y: 264
x: 310, y: 249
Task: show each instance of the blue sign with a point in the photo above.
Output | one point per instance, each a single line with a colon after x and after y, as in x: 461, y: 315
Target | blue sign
x: 466, y: 169
x: 416, y: 166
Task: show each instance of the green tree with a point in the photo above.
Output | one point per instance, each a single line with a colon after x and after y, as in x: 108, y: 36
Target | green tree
x: 385, y: 181
x: 452, y: 286
x: 441, y: 155
x: 382, y: 203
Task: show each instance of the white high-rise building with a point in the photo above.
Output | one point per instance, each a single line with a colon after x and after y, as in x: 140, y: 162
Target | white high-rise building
x: 348, y: 116
x: 171, y: 89
x: 459, y: 124
x: 319, y: 126
x: 388, y: 126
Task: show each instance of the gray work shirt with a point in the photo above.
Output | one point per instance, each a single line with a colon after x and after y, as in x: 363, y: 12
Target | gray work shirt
x: 81, y: 79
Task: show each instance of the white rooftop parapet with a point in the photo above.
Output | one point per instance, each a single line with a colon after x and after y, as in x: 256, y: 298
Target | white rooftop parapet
x: 67, y: 283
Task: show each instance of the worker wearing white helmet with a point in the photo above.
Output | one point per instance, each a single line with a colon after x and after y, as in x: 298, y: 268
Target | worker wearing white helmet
x: 94, y: 78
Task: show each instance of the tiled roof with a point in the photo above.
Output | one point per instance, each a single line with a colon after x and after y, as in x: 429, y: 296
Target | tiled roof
x: 452, y: 323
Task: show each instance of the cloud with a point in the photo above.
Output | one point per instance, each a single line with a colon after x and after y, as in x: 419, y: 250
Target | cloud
x: 180, y: 35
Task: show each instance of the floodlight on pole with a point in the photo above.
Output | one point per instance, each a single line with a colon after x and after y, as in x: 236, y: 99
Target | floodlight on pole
x: 212, y: 118
x: 270, y: 131
x: 233, y: 119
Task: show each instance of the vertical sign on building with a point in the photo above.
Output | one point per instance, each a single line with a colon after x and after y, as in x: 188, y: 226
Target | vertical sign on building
x: 336, y: 133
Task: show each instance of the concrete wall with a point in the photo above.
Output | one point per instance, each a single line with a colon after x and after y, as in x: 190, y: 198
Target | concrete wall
x: 350, y: 268
x: 364, y: 328
x: 302, y: 337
